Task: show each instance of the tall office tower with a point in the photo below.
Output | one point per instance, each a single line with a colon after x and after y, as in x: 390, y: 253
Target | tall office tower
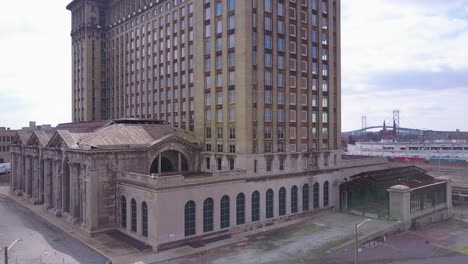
x: 257, y: 81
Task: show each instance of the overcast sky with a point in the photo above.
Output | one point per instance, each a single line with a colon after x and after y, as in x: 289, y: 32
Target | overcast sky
x: 410, y: 55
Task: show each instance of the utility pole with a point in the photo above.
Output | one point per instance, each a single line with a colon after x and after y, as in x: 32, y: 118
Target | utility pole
x: 356, y: 244
x: 5, y: 251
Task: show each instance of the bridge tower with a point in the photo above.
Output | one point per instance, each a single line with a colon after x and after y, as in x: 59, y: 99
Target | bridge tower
x: 364, y: 122
x: 396, y: 119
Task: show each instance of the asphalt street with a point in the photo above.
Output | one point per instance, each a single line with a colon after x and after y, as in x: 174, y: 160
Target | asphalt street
x: 41, y: 242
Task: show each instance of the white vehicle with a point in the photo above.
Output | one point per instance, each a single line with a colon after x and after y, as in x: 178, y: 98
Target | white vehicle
x: 5, y: 168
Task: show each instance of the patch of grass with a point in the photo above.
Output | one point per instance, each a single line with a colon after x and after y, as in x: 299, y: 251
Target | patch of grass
x: 464, y: 250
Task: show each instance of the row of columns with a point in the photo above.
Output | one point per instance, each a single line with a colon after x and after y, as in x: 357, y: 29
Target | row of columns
x: 58, y: 186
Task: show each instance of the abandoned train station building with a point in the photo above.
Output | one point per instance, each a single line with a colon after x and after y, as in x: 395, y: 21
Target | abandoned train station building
x: 145, y: 179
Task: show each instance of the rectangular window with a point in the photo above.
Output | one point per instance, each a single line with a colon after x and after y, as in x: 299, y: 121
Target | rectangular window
x: 268, y: 132
x: 268, y: 42
x: 292, y: 132
x: 268, y: 60
x: 232, y: 133
x: 232, y: 115
x: 232, y: 5
x: 268, y: 24
x: 219, y: 115
x: 219, y: 132
x: 269, y: 164
x: 280, y: 132
x: 280, y: 44
x: 280, y: 113
x: 292, y: 115
x: 231, y: 22
x: 268, y: 6
x: 268, y: 97
x: 219, y: 8
x: 324, y: 117
x: 232, y: 96
x: 220, y: 148
x: 281, y: 98
x: 267, y: 114
x: 232, y: 148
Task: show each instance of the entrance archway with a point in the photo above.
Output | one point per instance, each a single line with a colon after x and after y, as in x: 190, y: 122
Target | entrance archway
x: 169, y: 161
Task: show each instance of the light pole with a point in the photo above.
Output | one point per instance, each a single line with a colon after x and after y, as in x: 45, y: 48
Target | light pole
x: 5, y: 249
x: 356, y: 260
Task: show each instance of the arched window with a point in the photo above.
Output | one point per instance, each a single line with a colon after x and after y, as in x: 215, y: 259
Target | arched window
x: 134, y: 215
x: 282, y: 201
x: 240, y: 209
x: 189, y: 218
x: 316, y: 195
x: 144, y: 219
x: 225, y: 211
x: 325, y: 194
x: 208, y: 215
x: 269, y: 203
x: 123, y: 212
x: 255, y: 206
x: 294, y: 199
x: 305, y: 197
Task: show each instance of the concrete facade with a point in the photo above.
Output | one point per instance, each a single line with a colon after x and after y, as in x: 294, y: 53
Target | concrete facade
x: 83, y: 177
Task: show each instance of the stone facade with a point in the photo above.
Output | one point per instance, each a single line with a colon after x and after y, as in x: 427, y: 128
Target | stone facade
x: 155, y: 168
x: 259, y: 84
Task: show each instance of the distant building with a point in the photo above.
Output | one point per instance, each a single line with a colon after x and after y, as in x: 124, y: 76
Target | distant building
x: 6, y: 137
x: 447, y: 151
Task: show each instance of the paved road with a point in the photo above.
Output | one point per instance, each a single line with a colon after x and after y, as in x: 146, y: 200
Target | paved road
x: 41, y: 241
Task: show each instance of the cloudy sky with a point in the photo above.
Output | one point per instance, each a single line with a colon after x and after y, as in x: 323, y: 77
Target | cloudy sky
x: 410, y: 55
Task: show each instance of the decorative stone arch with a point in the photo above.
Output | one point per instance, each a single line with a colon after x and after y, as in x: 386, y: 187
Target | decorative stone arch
x: 173, y: 157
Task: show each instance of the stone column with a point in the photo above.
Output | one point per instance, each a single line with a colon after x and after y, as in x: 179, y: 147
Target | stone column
x: 35, y: 179
x: 299, y: 198
x: 83, y: 194
x: 57, y: 187
x: 41, y: 181
x: 248, y: 207
x: 216, y: 214
x: 74, y: 193
x: 47, y: 184
x: 92, y: 204
x: 399, y: 199
x: 179, y: 162
x: 19, y: 174
x: 13, y: 172
x: 28, y: 182
x: 159, y: 164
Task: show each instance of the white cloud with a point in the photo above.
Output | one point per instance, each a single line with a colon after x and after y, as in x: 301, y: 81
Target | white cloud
x: 35, y: 62
x: 380, y: 36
